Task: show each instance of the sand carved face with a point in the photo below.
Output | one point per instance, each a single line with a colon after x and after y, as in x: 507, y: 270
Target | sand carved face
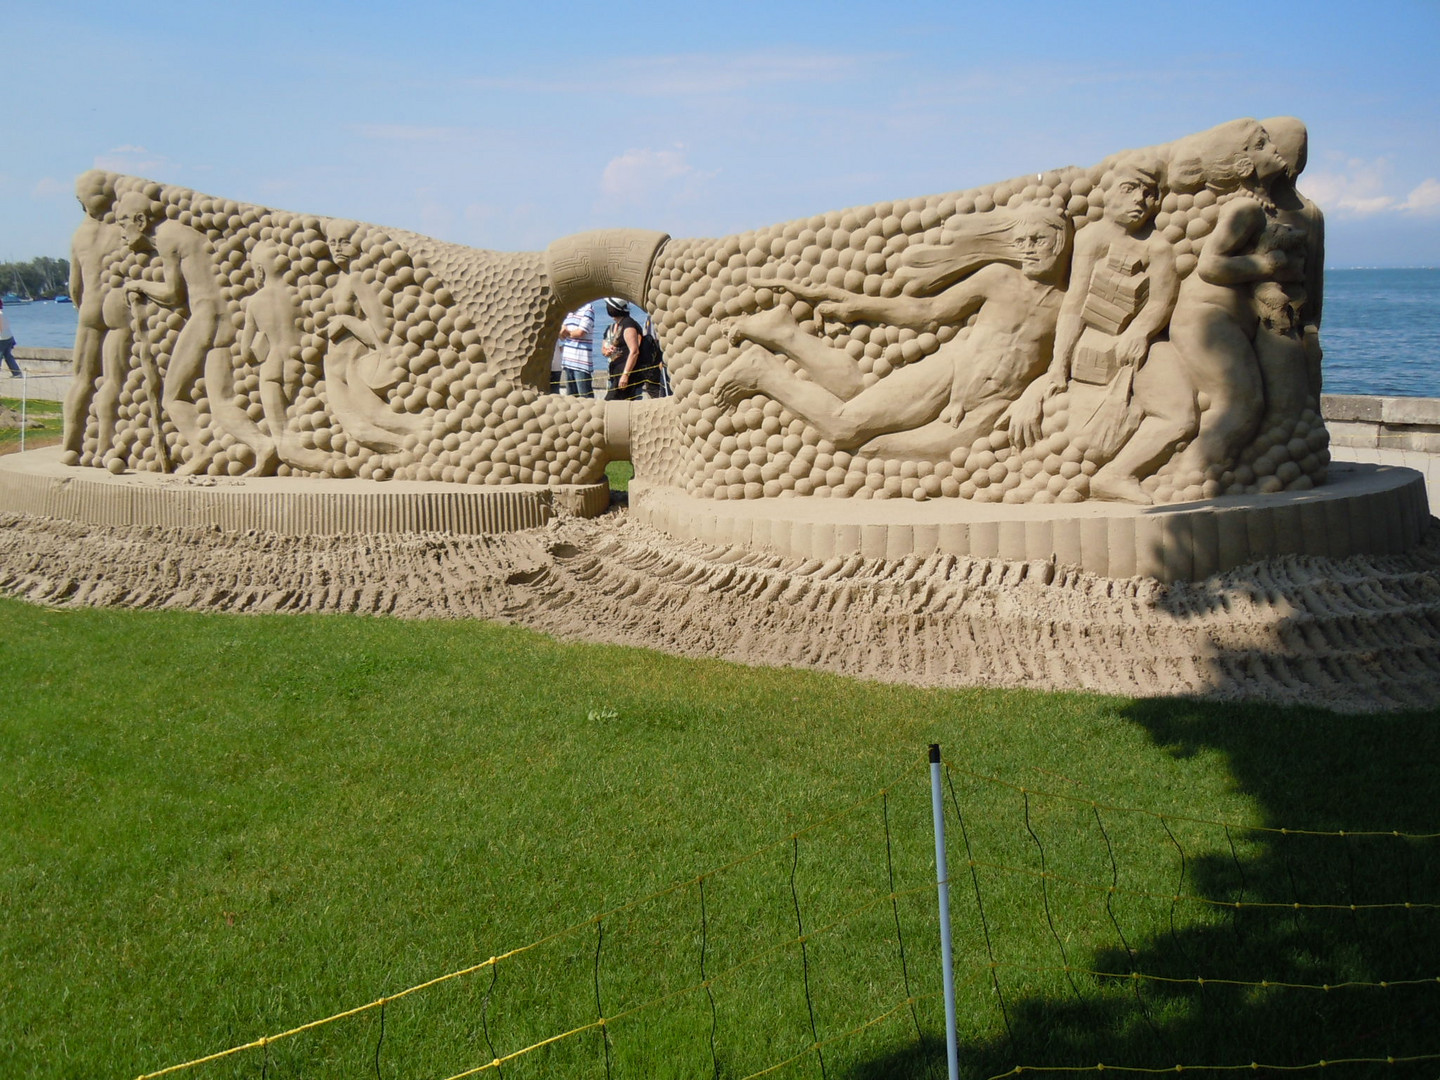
x: 133, y: 217
x: 1038, y: 245
x: 1131, y: 201
x: 340, y: 238
x: 1264, y: 157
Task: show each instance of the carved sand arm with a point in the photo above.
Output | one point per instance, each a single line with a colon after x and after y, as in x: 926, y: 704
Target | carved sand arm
x: 949, y: 308
x: 1219, y: 265
x: 1164, y: 288
x: 1070, y: 322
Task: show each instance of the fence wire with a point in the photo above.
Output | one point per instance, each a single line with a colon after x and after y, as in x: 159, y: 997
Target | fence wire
x: 993, y: 977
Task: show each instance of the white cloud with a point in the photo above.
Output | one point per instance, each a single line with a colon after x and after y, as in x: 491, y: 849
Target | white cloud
x: 48, y: 187
x: 1356, y: 190
x: 1362, y: 188
x: 640, y: 176
x: 1424, y: 198
x: 135, y: 160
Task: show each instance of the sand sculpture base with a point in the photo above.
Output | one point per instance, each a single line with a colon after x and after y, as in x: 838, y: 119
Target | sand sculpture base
x: 36, y: 483
x: 1362, y: 510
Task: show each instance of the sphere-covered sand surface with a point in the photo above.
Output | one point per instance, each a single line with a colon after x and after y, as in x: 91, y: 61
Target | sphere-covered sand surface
x: 1359, y: 634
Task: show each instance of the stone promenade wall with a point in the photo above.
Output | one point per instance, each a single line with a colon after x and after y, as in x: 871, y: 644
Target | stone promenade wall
x: 1387, y: 431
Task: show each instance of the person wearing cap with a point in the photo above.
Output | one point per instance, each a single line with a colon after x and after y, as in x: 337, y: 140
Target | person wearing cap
x: 7, y: 344
x: 622, y: 346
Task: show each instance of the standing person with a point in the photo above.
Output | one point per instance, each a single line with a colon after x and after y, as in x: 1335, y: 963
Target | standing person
x: 575, y: 358
x: 622, y: 346
x: 7, y: 344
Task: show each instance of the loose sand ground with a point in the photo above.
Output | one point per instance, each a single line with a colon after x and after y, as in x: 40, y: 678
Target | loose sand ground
x: 1359, y: 634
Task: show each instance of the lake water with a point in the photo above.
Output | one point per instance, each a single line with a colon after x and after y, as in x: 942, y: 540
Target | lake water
x: 1381, y: 331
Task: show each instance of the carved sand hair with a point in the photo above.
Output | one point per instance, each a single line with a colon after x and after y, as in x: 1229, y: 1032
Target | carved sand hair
x: 1147, y: 169
x: 1216, y: 159
x: 977, y: 239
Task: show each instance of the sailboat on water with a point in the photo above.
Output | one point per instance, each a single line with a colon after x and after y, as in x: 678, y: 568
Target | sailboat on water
x: 19, y: 294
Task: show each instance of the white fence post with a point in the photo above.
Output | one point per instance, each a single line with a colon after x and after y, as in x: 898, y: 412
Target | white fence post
x: 942, y: 880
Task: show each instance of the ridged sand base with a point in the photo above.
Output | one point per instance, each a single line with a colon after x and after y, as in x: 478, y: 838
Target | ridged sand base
x: 1357, y: 634
x: 1362, y: 510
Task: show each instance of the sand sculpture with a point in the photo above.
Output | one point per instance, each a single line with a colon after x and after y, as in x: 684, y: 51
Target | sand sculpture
x: 1145, y: 330
x: 1059, y: 431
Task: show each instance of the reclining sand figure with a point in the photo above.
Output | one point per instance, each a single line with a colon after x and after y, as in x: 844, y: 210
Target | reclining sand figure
x: 956, y: 394
x: 361, y: 364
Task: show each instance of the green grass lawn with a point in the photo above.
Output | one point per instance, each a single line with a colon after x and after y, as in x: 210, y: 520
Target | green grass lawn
x: 619, y: 473
x: 47, y: 413
x: 221, y: 827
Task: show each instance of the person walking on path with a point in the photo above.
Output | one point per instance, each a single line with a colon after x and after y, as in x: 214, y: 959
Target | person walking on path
x: 575, y: 358
x: 7, y: 344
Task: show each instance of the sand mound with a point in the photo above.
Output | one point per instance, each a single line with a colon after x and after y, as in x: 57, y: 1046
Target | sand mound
x: 1359, y: 634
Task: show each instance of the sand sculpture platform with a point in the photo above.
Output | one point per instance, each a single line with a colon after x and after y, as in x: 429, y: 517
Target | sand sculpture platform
x: 36, y: 483
x: 1362, y: 510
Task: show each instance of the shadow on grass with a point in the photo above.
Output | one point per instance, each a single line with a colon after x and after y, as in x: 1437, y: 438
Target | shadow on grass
x: 1304, y: 770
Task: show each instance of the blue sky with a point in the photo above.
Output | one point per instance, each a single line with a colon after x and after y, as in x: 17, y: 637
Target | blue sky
x: 508, y: 125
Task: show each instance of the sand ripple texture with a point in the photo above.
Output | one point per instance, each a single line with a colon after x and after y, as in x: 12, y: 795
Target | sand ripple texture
x: 1358, y: 635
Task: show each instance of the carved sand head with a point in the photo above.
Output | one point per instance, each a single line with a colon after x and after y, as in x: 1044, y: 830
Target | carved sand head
x: 1039, y: 237
x: 340, y: 237
x: 95, y: 192
x: 1234, y: 154
x: 133, y: 214
x: 266, y: 260
x: 1132, y: 192
x: 1291, y: 140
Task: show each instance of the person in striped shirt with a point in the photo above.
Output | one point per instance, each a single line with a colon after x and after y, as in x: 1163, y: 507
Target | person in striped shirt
x: 575, y: 364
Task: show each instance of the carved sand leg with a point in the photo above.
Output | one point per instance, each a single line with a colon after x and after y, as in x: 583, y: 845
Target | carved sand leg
x: 777, y: 331
x: 274, y: 396
x: 89, y: 342
x: 1219, y: 361
x: 906, y: 399
x: 177, y: 397
x: 220, y: 390
x: 1285, y: 370
x: 1167, y: 399
x: 363, y: 416
x: 115, y: 359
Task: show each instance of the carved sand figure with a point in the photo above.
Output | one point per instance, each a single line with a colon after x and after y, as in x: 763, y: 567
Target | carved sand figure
x: 189, y: 281
x: 1290, y: 356
x: 1214, y: 323
x: 361, y: 365
x: 271, y: 337
x: 1122, y: 290
x: 949, y: 398
x: 102, y: 335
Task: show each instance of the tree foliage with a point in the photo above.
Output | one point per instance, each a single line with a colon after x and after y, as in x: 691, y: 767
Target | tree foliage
x: 41, y: 278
